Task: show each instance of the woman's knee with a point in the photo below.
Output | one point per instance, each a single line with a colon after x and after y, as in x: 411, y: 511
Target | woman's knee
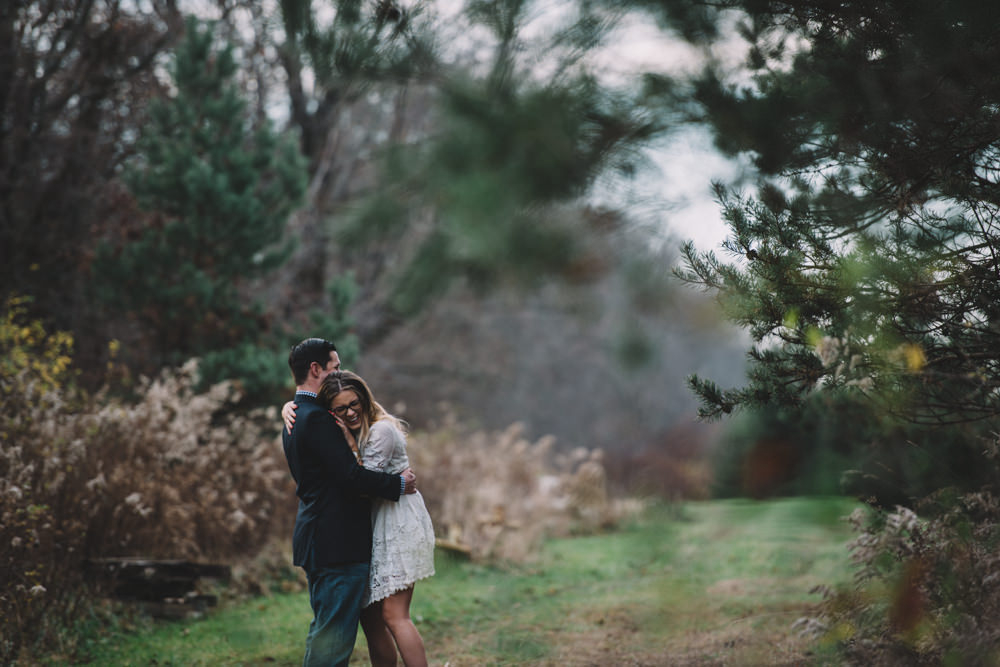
x: 395, y: 610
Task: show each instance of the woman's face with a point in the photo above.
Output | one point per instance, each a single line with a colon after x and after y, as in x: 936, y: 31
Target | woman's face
x: 347, y: 406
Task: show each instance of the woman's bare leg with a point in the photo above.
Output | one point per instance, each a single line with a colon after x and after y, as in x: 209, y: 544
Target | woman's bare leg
x: 381, y: 648
x: 396, y: 612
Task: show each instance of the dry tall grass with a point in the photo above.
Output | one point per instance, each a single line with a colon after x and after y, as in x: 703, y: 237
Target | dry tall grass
x: 498, y: 494
x: 177, y: 474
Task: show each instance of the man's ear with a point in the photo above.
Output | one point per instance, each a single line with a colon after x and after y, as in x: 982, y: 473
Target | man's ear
x: 314, y: 369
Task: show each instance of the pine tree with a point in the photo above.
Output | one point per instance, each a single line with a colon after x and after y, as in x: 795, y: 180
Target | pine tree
x: 217, y: 194
x: 864, y: 264
x: 867, y: 258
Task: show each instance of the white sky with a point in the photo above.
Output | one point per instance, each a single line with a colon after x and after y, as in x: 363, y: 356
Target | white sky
x: 677, y: 187
x: 687, y: 166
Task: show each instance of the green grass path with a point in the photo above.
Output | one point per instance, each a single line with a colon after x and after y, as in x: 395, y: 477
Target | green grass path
x: 717, y: 582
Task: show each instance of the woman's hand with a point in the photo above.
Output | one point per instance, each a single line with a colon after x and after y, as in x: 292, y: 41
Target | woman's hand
x: 288, y: 414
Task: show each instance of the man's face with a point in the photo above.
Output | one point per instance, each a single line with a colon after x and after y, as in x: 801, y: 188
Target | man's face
x: 332, y: 365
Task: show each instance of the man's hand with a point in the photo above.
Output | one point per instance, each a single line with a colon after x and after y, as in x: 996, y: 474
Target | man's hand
x: 411, y: 481
x: 288, y: 414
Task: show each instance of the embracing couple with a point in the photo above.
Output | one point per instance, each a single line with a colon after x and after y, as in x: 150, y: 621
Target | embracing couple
x: 362, y: 532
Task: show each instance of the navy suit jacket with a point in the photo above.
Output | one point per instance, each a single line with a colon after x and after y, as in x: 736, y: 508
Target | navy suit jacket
x: 333, y: 524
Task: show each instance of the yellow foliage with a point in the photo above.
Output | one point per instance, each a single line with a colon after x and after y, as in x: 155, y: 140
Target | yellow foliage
x: 914, y: 356
x: 842, y: 632
x: 25, y: 347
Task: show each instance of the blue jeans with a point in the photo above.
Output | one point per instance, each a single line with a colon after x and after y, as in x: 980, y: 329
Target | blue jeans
x: 335, y: 594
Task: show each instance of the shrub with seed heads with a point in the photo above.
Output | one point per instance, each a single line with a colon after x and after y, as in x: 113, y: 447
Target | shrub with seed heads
x: 498, y: 494
x: 175, y: 474
x: 927, y: 585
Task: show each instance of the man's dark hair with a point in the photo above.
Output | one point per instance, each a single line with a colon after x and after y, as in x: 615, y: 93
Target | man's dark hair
x: 306, y: 352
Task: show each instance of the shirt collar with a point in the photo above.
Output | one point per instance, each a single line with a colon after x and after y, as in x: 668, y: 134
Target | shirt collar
x: 302, y: 392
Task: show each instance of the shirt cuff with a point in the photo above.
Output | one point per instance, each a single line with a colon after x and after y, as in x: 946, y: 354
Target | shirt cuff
x: 402, y: 485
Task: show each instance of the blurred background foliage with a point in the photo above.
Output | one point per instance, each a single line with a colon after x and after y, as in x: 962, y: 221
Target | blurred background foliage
x: 354, y: 171
x: 419, y: 182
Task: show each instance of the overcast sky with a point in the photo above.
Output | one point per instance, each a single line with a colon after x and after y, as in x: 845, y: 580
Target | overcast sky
x: 676, y: 188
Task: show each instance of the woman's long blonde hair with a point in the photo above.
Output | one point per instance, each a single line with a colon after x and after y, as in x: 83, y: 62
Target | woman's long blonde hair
x: 371, y: 410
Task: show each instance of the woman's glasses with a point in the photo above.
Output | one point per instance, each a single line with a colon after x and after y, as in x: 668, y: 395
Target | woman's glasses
x: 341, y: 410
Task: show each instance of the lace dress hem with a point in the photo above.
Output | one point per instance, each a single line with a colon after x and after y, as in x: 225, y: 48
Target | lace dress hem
x: 378, y: 597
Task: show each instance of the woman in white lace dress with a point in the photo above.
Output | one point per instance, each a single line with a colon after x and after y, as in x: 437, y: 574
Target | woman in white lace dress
x: 402, y: 534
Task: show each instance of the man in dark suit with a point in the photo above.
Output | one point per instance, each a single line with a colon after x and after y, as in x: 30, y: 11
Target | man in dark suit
x: 332, y: 541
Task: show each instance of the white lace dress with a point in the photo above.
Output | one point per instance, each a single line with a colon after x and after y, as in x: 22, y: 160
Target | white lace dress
x: 402, y: 534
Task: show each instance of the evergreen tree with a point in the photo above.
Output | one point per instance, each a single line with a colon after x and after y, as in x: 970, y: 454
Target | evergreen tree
x: 217, y: 195
x: 866, y: 261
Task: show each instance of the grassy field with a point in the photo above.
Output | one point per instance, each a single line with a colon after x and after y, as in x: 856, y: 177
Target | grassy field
x: 708, y: 583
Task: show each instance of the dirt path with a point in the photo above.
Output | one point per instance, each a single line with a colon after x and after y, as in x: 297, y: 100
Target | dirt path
x: 741, y: 643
